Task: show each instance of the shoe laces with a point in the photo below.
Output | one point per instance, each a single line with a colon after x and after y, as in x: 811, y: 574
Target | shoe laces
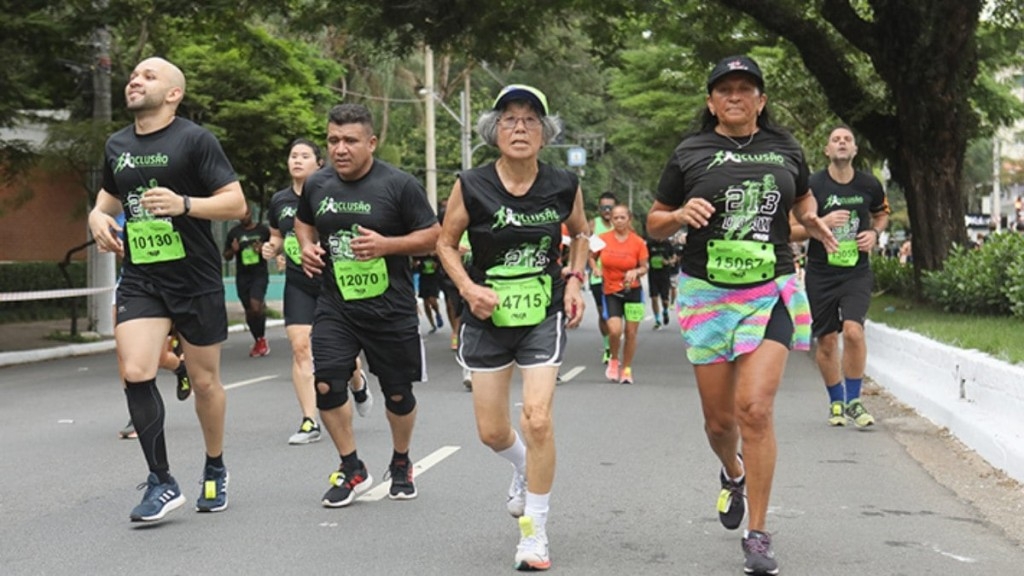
x: 401, y: 470
x: 760, y: 544
x: 342, y: 478
x: 855, y: 409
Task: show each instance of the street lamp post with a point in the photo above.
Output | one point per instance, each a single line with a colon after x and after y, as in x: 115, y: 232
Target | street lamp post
x: 431, y: 151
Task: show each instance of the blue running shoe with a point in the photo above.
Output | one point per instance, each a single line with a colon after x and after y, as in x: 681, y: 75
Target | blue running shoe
x: 214, y: 496
x: 158, y: 500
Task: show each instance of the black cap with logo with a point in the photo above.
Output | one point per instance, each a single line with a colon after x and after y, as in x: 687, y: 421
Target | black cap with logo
x: 740, y: 63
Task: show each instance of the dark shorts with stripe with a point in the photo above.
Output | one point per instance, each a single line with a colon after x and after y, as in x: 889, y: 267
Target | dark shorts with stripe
x: 489, y: 349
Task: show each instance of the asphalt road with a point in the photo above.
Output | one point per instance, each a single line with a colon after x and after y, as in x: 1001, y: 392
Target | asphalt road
x: 635, y: 489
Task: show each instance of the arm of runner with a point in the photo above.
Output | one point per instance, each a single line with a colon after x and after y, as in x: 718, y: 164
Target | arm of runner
x: 312, y: 261
x: 104, y: 226
x: 480, y: 299
x: 579, y: 254
x: 805, y: 210
x: 272, y: 247
x: 370, y: 244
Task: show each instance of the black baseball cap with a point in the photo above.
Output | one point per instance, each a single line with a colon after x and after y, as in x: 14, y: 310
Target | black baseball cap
x: 739, y: 63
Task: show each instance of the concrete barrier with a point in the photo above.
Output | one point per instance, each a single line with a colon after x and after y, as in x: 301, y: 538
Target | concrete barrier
x: 978, y: 398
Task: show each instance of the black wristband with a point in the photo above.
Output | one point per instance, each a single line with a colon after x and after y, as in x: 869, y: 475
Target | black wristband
x: 188, y: 205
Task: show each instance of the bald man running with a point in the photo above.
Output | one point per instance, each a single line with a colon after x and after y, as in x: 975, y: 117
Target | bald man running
x: 171, y: 178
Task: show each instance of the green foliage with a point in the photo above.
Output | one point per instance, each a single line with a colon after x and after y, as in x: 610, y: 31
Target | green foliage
x: 977, y: 281
x: 1015, y: 286
x: 998, y: 336
x: 34, y: 276
x: 256, y: 93
x: 893, y: 278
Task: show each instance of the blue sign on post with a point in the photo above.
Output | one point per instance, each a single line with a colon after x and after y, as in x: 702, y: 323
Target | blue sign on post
x: 577, y: 157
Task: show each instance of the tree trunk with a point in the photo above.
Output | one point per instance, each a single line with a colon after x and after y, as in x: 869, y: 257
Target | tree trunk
x: 925, y: 52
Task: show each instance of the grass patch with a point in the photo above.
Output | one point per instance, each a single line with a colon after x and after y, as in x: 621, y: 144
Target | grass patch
x: 993, y: 335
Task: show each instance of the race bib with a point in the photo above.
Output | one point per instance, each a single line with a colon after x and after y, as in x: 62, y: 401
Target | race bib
x: 634, y: 311
x: 360, y: 280
x: 154, y: 241
x: 249, y: 256
x: 524, y: 294
x: 292, y: 248
x: 740, y: 261
x: 846, y: 256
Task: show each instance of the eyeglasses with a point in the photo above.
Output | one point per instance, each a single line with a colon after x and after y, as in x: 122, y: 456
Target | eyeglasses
x: 510, y: 122
x: 606, y: 208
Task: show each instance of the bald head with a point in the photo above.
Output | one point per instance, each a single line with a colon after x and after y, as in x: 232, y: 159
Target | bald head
x: 155, y: 84
x: 165, y: 69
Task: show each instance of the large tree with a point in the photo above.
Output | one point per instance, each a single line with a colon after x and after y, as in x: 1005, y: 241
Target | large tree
x: 901, y: 73
x: 925, y: 54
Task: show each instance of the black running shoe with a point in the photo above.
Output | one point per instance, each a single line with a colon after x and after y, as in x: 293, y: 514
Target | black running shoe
x: 760, y: 558
x: 732, y: 505
x: 184, y: 384
x: 346, y: 486
x: 402, y: 488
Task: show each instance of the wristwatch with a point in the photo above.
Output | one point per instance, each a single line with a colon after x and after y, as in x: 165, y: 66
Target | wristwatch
x: 188, y: 205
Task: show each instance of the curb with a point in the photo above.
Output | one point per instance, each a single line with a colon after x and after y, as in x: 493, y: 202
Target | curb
x: 71, y: 350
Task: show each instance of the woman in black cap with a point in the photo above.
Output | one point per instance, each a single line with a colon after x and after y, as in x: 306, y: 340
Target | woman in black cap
x: 518, y: 297
x: 733, y: 183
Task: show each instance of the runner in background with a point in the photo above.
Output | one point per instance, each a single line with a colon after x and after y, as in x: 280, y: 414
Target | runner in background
x: 244, y: 244
x: 624, y: 260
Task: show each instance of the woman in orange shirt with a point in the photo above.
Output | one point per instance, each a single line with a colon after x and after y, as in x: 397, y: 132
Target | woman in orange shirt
x: 623, y: 262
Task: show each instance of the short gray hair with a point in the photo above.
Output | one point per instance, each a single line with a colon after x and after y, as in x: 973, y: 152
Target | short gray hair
x: 487, y: 127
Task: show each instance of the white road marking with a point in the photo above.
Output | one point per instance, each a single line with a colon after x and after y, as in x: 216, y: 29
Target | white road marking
x: 381, y: 490
x: 250, y: 381
x: 572, y: 373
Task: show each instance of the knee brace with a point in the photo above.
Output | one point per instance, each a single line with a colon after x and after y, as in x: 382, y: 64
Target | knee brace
x: 406, y: 402
x: 336, y: 396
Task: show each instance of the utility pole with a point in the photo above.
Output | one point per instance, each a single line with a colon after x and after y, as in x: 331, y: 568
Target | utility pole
x: 431, y: 152
x: 467, y: 133
x: 997, y: 201
x: 101, y: 266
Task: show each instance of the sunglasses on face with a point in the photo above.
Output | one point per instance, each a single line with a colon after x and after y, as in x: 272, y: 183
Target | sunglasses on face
x: 606, y: 208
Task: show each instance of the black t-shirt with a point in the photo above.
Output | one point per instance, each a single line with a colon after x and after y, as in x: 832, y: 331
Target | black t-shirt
x: 385, y: 200
x: 862, y: 196
x: 751, y: 189
x: 281, y: 216
x: 187, y: 159
x: 660, y: 252
x: 249, y: 260
x: 507, y: 230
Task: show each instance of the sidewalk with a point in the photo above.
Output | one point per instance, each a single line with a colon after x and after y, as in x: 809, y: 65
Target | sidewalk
x: 22, y: 342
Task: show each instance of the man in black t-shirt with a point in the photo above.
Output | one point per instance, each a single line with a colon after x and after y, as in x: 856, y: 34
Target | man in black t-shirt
x: 171, y: 178
x: 853, y: 204
x: 359, y: 220
x: 244, y: 243
x: 659, y: 280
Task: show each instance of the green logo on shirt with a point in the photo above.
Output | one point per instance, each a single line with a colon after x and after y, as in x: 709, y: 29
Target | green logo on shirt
x: 508, y: 217
x: 334, y: 207
x: 126, y: 160
x: 834, y: 201
x: 723, y: 156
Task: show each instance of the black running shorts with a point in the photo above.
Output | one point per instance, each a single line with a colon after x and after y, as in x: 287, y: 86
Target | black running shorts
x: 299, y: 304
x: 201, y: 320
x: 395, y: 356
x: 836, y: 297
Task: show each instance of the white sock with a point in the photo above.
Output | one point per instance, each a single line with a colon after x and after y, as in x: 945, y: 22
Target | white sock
x: 516, y: 454
x: 537, y: 509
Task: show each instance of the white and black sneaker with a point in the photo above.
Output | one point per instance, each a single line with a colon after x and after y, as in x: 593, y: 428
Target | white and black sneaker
x: 309, y: 432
